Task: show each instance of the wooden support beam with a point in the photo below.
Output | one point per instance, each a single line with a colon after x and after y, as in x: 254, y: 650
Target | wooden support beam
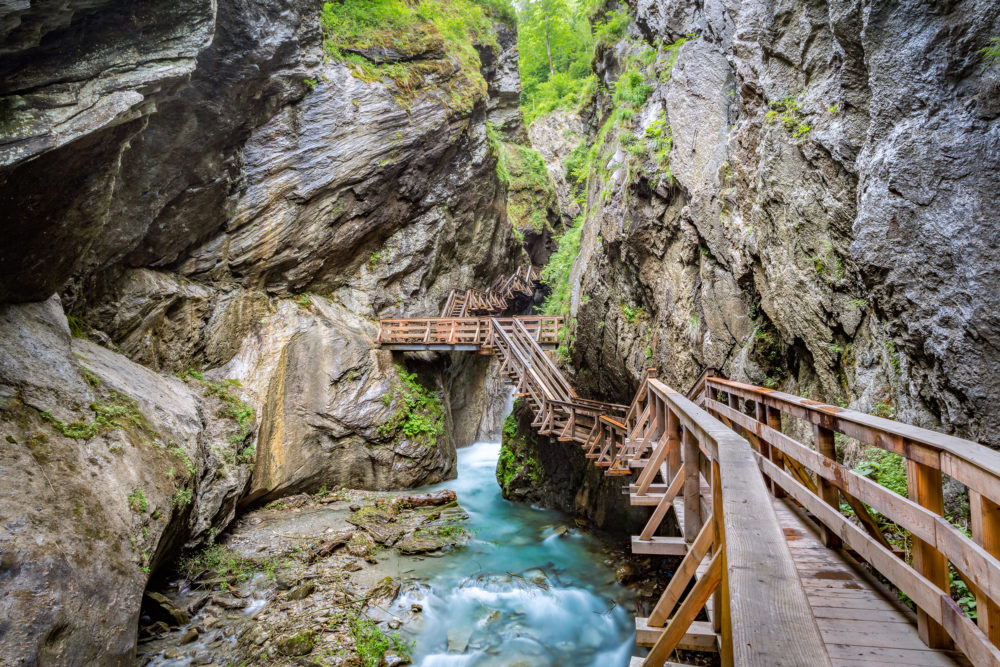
x: 830, y: 494
x: 692, y: 485
x: 659, y: 546
x: 661, y: 508
x: 925, y: 486
x: 685, y: 572
x: 985, y: 516
x: 679, y: 624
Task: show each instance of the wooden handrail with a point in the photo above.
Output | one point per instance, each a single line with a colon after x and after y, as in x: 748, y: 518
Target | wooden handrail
x: 937, y: 543
x: 749, y: 544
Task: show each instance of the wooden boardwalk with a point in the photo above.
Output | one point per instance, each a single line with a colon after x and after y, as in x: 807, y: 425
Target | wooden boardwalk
x: 860, y: 622
x: 778, y: 541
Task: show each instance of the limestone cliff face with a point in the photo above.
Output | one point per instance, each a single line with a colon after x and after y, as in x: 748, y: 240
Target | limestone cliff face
x: 206, y: 195
x: 823, y: 219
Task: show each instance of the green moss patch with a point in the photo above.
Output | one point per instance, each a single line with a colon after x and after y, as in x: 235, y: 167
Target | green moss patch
x: 419, y: 416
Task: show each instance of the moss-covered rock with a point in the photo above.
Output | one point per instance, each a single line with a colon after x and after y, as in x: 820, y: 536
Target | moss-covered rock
x: 540, y: 470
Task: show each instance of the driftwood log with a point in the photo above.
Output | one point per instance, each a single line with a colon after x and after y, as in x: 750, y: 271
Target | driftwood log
x: 427, y: 499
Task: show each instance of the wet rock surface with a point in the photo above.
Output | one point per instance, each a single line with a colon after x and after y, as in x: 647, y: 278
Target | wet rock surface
x: 298, y: 577
x: 109, y: 469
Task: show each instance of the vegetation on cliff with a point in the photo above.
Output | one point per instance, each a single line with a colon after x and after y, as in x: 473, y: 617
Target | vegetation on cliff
x: 409, y: 43
x: 419, y: 416
x: 530, y: 194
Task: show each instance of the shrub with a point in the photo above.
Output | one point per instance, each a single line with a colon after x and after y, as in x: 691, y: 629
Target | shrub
x: 371, y: 643
x: 556, y: 273
x: 419, y: 30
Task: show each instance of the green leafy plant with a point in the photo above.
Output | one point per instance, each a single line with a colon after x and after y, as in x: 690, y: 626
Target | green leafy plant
x: 182, y: 498
x: 613, y: 27
x: 137, y: 501
x: 304, y: 300
x: 991, y: 53
x: 310, y: 83
x: 355, y: 31
x: 556, y: 274
x: 886, y: 468
x: 371, y: 643
x: 116, y: 412
x: 828, y: 264
x: 419, y: 416
x: 890, y: 350
x: 788, y: 111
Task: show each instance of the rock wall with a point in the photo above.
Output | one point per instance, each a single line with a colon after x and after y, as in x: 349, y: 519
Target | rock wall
x: 204, y: 193
x: 804, y: 197
x: 109, y: 468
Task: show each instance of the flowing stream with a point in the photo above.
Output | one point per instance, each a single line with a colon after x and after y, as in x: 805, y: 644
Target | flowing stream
x: 529, y: 588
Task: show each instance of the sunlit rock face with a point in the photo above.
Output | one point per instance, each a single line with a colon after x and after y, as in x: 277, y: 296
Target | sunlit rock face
x: 829, y: 225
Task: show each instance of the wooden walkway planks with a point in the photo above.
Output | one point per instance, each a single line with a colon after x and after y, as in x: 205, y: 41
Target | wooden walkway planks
x: 858, y: 623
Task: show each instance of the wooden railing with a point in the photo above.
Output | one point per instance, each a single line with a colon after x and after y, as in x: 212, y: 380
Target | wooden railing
x: 465, y: 331
x: 813, y: 477
x: 557, y: 408
x: 746, y: 579
x: 471, y: 302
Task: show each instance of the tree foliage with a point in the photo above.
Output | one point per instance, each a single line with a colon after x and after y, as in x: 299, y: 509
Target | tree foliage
x: 555, y: 44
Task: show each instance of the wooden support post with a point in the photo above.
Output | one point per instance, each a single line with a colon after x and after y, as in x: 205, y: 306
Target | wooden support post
x: 720, y: 598
x: 774, y: 421
x: 925, y: 486
x: 673, y: 436
x: 765, y: 446
x: 826, y: 445
x: 985, y: 516
x: 693, y: 519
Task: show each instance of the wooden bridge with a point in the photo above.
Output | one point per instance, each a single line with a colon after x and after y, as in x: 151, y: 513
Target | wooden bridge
x: 781, y: 561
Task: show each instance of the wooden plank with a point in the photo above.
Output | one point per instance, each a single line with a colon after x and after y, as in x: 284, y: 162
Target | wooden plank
x: 870, y: 655
x: 936, y: 603
x: 699, y: 637
x: 659, y: 546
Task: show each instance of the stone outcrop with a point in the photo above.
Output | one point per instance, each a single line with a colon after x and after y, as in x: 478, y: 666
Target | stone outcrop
x: 109, y: 468
x: 825, y: 220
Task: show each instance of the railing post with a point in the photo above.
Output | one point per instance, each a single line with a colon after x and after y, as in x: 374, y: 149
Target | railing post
x: 826, y: 445
x: 985, y: 515
x: 693, y: 519
x: 774, y: 421
x: 925, y: 487
x: 765, y: 446
x: 673, y: 443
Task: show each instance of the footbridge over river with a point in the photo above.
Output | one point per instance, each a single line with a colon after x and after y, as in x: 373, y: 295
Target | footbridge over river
x: 782, y: 559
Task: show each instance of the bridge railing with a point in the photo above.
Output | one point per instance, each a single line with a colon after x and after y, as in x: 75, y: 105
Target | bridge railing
x: 445, y: 331
x: 735, y: 543
x: 815, y: 478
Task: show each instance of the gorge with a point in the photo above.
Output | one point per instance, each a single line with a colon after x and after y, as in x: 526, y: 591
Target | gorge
x: 208, y: 207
